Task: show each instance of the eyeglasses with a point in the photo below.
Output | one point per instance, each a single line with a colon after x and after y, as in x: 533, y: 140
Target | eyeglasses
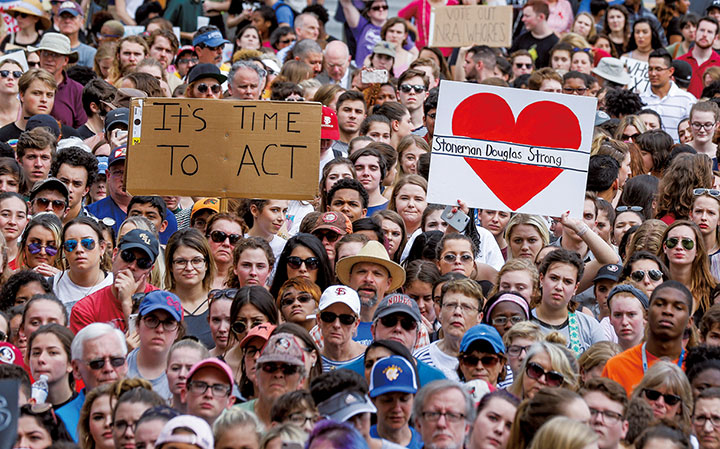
x: 406, y: 88
x: 200, y: 387
x: 144, y: 263
x: 331, y: 236
x: 330, y: 317
x: 151, y: 321
x: 286, y: 41
x: 406, y: 322
x: 33, y: 64
x: 218, y: 48
x: 218, y: 293
x: 466, y: 308
x: 609, y: 417
x: 712, y: 192
x: 35, y: 248
x: 15, y: 73
x: 516, y: 350
x: 71, y: 244
x: 121, y: 426
x: 687, y: 243
x: 96, y: 364
x: 639, y: 275
x: 195, y: 262
x: 622, y: 209
x: 57, y: 205
x: 203, y: 88
x: 379, y: 8
x: 451, y: 258
x: 708, y: 126
x: 701, y: 420
x: 450, y: 417
x: 570, y: 90
x: 188, y: 61
x: 654, y: 395
x: 487, y: 360
x: 286, y: 368
x: 290, y: 300
x: 502, y: 320
x: 520, y: 65
x: 311, y: 263
x: 536, y: 372
x: 220, y: 237
x: 299, y: 419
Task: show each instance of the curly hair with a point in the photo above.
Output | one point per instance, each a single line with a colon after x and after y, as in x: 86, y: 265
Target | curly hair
x: 675, y: 192
x: 76, y: 157
x: 19, y: 279
x: 622, y: 102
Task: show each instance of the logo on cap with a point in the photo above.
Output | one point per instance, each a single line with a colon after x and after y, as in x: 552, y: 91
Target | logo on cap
x: 144, y: 237
x: 173, y: 303
x: 7, y: 355
x: 122, y: 151
x: 340, y: 291
x: 392, y: 372
x: 282, y: 343
x: 613, y: 268
x: 212, y: 201
x: 327, y: 120
x: 399, y: 299
x: 350, y: 399
x: 329, y: 217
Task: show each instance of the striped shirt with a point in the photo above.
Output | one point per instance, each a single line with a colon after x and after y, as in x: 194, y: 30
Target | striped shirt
x: 674, y: 107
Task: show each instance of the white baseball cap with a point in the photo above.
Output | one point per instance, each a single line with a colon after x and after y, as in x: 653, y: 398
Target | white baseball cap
x: 342, y: 294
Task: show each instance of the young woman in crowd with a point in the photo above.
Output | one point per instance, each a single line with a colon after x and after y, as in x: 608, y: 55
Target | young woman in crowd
x: 9, y: 91
x: 482, y: 355
x: 409, y: 199
x: 157, y: 274
x: 190, y: 275
x: 181, y: 357
x: 643, y: 40
x: 617, y: 27
x: 520, y: 276
x: 565, y: 433
x: 685, y: 173
x: 646, y: 269
x: 31, y: 20
x: 409, y: 151
x: 495, y: 415
x: 304, y: 256
x: 219, y: 304
x: 95, y: 423
x: 420, y: 276
x: 39, y: 428
x: 393, y: 227
x: 252, y: 262
x: 705, y: 213
x: 496, y: 222
x: 526, y: 235
x: 129, y: 407
x: 265, y: 218
x: 41, y: 309
x: 49, y: 355
x: 505, y: 309
x: 40, y: 244
x: 297, y: 301
x: 335, y: 170
x: 625, y: 218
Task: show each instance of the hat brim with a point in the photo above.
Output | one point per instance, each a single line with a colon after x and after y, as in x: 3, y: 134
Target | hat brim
x: 215, y: 42
x: 399, y: 308
x: 219, y: 77
x: 331, y: 134
x: 173, y: 313
x: 495, y: 347
x: 136, y: 245
x: 211, y: 363
x: 278, y: 359
x: 343, y: 267
x: 386, y: 53
x: 330, y: 228
x: 72, y: 56
x: 392, y: 389
x: 44, y: 21
x: 623, y: 80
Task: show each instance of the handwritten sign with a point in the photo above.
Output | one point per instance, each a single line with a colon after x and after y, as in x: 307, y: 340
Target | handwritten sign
x: 9, y: 412
x: 508, y: 149
x: 458, y: 26
x: 638, y: 71
x: 224, y: 148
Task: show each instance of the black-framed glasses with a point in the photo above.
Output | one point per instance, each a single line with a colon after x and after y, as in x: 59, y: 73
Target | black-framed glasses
x: 330, y: 317
x: 621, y: 209
x: 502, y: 320
x: 303, y: 298
x: 152, y: 322
x: 450, y: 417
x: 71, y: 244
x: 99, y: 363
x: 654, y: 395
x: 200, y: 387
x: 35, y: 248
x: 489, y: 360
x: 520, y: 65
x: 451, y: 258
x: 536, y: 372
x: 311, y: 263
x: 188, y: 61
x: 15, y: 73
x: 300, y: 419
x: 407, y: 88
x: 286, y: 368
x: 144, y: 263
x: 697, y: 125
x: 379, y: 8
x: 406, y: 322
x: 203, y: 88
x: 639, y: 275
x: 609, y: 417
x: 220, y: 237
x: 516, y: 350
x: 686, y: 242
x: 712, y: 192
x: 58, y: 205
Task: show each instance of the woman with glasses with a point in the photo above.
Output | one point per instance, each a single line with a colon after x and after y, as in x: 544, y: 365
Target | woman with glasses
x: 158, y: 325
x: 706, y: 418
x: 456, y: 253
x: 505, y: 309
x: 705, y: 213
x: 298, y: 300
x: 129, y: 407
x: 265, y: 218
x: 190, y: 274
x: 253, y: 261
x: 683, y: 252
x: 666, y: 389
x: 31, y: 20
x: 646, y: 269
x: 313, y: 359
x: 223, y: 232
x: 40, y: 244
x: 95, y: 423
x: 83, y: 249
x: 482, y: 355
x: 157, y: 272
x: 10, y: 73
x: 625, y: 218
x: 303, y: 256
x: 48, y: 354
x: 629, y: 128
x: 39, y: 428
x: 547, y: 365
x: 182, y: 356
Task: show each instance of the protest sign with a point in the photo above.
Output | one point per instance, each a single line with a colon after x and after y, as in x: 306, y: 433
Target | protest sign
x: 638, y: 71
x: 9, y: 412
x: 459, y: 26
x: 510, y: 149
x: 224, y: 148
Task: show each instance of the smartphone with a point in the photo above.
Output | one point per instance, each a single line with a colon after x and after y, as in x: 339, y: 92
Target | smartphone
x: 376, y: 76
x: 120, y: 134
x: 132, y: 319
x: 457, y: 220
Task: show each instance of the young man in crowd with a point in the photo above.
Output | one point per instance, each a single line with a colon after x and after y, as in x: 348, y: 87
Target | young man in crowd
x: 702, y: 56
x: 539, y: 37
x: 349, y: 197
x: 412, y: 91
x: 49, y: 195
x: 350, y: 114
x: 35, y: 152
x: 77, y: 169
x: 607, y: 402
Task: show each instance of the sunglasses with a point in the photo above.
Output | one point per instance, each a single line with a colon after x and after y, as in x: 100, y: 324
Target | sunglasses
x: 218, y: 293
x: 520, y: 65
x: 379, y: 8
x: 451, y: 258
x: 687, y: 243
x: 552, y: 378
x: 304, y: 299
x: 407, y: 88
x: 697, y: 192
x: 35, y: 248
x: 621, y: 209
x: 331, y: 236
x: 630, y: 136
x: 345, y: 318
x: 639, y: 275
x: 97, y: 364
x: 287, y: 370
x: 71, y: 244
x: 203, y: 88
x: 487, y: 360
x: 286, y: 41
x: 144, y: 263
x: 654, y: 395
x: 58, y: 205
x: 220, y: 237
x: 15, y: 73
x: 406, y: 322
x: 188, y: 61
x: 311, y: 263
x: 33, y: 64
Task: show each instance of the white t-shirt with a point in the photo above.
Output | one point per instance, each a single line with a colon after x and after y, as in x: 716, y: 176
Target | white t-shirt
x: 69, y: 292
x: 433, y: 356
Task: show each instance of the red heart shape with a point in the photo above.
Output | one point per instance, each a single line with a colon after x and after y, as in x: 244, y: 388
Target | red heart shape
x: 487, y: 116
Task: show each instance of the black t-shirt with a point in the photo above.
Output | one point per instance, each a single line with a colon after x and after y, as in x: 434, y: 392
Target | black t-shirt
x: 542, y: 47
x: 84, y: 132
x: 10, y: 133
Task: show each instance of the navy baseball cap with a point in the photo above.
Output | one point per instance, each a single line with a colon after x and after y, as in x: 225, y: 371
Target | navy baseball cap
x: 610, y: 272
x: 161, y: 300
x: 482, y: 332
x: 212, y: 38
x: 393, y: 374
x: 119, y: 116
x: 142, y: 240
x: 70, y: 7
x: 119, y: 154
x: 44, y: 120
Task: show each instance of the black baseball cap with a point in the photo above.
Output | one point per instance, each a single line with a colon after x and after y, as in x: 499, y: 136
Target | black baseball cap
x: 206, y: 71
x: 142, y: 240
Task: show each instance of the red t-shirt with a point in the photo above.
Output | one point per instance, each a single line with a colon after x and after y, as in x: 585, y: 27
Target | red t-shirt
x: 626, y: 368
x: 100, y: 307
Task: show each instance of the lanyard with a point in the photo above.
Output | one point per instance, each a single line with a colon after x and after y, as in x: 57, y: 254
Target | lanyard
x: 645, y: 363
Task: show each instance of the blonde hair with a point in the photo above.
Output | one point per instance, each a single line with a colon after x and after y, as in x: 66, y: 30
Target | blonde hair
x: 563, y: 433
x: 523, y: 329
x: 648, y: 237
x: 535, y: 221
x: 669, y: 375
x: 598, y: 355
x: 289, y: 433
x: 593, y: 32
x: 576, y: 40
x: 519, y: 264
x: 559, y: 361
x: 633, y: 120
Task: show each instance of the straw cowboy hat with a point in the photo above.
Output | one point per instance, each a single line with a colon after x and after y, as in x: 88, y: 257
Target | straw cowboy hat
x: 56, y: 43
x: 33, y: 8
x: 372, y: 252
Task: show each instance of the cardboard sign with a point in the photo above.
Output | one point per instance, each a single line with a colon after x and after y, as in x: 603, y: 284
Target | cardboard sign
x: 510, y: 149
x: 9, y: 412
x: 224, y: 148
x: 459, y: 26
x: 638, y: 71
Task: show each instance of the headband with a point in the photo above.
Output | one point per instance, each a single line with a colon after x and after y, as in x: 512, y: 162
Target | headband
x: 513, y: 298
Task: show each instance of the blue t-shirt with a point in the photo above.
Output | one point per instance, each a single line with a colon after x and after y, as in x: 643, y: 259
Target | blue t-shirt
x: 70, y: 414
x: 106, y: 207
x: 363, y: 334
x: 426, y: 373
x: 415, y: 441
x: 283, y: 13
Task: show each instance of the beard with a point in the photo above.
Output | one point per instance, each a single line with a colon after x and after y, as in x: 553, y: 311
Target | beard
x: 370, y: 302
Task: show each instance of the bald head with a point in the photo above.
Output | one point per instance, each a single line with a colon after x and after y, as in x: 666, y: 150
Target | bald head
x: 336, y: 60
x: 307, y: 26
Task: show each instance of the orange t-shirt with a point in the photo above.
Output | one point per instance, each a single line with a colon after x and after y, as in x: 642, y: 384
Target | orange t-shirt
x: 626, y: 368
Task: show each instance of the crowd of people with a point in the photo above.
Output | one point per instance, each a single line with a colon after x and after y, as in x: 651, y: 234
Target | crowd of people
x: 362, y: 318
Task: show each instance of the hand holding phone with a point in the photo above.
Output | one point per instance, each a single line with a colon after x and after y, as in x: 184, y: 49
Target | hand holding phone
x: 458, y: 219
